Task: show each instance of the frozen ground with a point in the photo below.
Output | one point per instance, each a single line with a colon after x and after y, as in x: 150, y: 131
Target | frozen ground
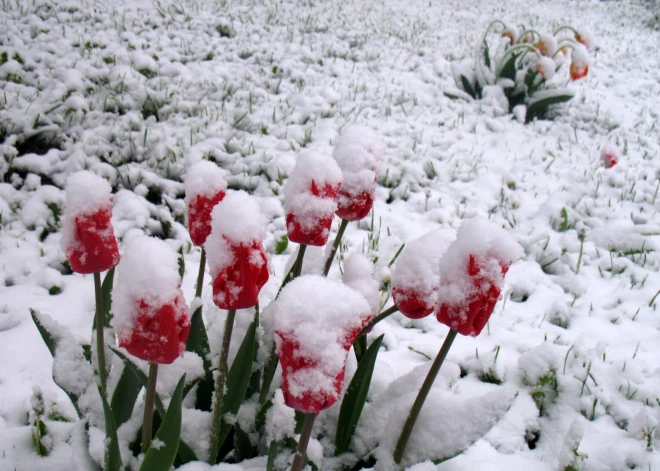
x: 137, y: 91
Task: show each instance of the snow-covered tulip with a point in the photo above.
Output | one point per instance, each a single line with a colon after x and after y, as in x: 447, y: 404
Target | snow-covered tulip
x: 586, y: 37
x: 358, y: 154
x: 88, y: 238
x: 580, y: 63
x: 511, y: 32
x: 609, y: 156
x: 316, y: 322
x: 205, y: 187
x: 150, y: 313
x: 310, y: 198
x: 546, y: 67
x: 417, y: 274
x: 237, y: 258
x: 546, y: 45
x: 472, y: 274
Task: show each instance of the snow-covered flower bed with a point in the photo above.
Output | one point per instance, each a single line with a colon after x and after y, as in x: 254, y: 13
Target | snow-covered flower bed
x: 564, y: 375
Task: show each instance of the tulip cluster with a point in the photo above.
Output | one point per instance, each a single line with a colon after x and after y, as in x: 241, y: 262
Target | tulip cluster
x: 523, y: 67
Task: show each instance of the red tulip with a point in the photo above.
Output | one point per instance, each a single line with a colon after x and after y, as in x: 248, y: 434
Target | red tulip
x: 354, y: 207
x: 609, y: 156
x: 316, y: 322
x: 88, y: 238
x: 160, y: 332
x: 237, y: 259
x: 237, y: 285
x: 205, y: 187
x: 96, y: 248
x: 199, y: 217
x: 470, y: 316
x: 412, y: 304
x: 578, y: 70
x: 310, y: 195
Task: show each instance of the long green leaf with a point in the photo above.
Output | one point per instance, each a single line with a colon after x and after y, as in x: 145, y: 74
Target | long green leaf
x: 182, y: 263
x: 162, y: 457
x: 355, y: 397
x: 467, y: 87
x: 238, y: 379
x: 112, y: 454
x: 186, y: 454
x: 198, y: 342
x: 486, y: 54
x: 51, y: 339
x: 508, y: 70
x: 538, y: 107
x: 106, y: 296
x: 124, y: 396
x: 48, y: 338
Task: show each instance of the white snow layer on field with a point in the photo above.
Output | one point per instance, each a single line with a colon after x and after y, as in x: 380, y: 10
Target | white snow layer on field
x: 358, y: 274
x: 149, y: 272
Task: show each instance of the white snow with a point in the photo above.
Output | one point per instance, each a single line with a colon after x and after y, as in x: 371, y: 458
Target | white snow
x: 295, y: 75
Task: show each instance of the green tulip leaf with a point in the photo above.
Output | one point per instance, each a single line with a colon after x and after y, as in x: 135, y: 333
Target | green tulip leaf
x: 165, y: 445
x: 124, y: 396
x: 112, y: 454
x: 198, y: 342
x: 355, y: 397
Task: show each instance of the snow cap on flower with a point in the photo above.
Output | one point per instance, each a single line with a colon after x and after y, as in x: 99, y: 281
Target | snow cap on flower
x: 205, y: 187
x: 150, y: 315
x: 472, y: 274
x: 88, y: 238
x: 580, y: 62
x: 358, y: 153
x: 316, y: 322
x: 358, y: 270
x: 237, y: 259
x: 510, y: 31
x: 546, y: 67
x: 586, y: 36
x: 417, y: 273
x: 310, y: 198
x: 609, y: 156
x: 547, y: 45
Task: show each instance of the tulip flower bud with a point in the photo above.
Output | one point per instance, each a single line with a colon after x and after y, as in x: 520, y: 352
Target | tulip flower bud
x: 205, y: 187
x: 150, y: 313
x: 358, y: 154
x: 88, y: 238
x: 316, y: 322
x: 310, y: 198
x: 472, y: 274
x: 236, y: 255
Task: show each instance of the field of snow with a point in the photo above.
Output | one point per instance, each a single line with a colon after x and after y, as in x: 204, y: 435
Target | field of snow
x: 138, y: 91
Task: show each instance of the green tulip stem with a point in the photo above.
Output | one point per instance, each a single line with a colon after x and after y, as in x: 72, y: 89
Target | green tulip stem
x: 421, y: 396
x: 200, y: 275
x: 335, y: 246
x: 386, y: 313
x: 565, y: 27
x: 301, y: 453
x: 220, y: 380
x: 100, y: 341
x: 149, y: 400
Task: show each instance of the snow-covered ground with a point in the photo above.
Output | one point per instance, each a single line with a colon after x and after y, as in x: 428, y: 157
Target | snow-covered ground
x: 139, y: 91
